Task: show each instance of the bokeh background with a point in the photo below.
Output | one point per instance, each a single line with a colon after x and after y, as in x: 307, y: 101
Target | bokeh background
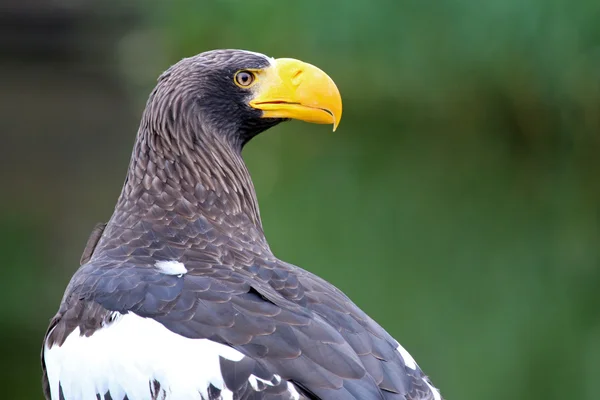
x: 458, y: 203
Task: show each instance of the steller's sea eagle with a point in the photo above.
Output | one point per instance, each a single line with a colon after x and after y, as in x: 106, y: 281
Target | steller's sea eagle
x: 180, y: 297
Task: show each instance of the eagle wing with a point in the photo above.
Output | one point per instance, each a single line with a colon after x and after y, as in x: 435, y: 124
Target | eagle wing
x: 292, y: 327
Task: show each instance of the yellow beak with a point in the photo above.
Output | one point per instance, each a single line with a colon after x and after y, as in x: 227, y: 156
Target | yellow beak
x: 294, y: 89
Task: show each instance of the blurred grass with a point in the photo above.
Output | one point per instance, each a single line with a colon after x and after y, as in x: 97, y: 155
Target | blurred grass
x: 458, y: 203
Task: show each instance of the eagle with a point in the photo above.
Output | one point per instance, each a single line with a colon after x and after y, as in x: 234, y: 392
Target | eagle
x: 179, y: 295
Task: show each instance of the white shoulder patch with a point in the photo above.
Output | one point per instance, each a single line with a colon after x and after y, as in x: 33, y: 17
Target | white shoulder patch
x: 124, y: 356
x: 171, y: 267
x: 412, y: 364
x: 408, y: 360
x: 436, y: 393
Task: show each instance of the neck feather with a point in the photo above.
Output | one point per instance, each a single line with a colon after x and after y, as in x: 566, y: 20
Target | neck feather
x: 205, y: 176
x: 178, y: 189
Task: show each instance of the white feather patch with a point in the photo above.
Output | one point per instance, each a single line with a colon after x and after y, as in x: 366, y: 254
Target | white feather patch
x: 255, y: 379
x: 408, y: 360
x: 171, y: 267
x: 293, y: 391
x: 124, y: 357
x: 412, y: 364
x: 436, y: 393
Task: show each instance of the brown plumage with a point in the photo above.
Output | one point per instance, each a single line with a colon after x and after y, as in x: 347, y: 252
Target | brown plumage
x: 188, y: 198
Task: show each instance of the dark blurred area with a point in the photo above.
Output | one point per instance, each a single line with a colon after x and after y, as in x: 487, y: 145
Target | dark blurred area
x: 458, y: 203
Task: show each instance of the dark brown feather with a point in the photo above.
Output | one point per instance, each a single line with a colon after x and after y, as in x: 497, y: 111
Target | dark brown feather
x: 92, y: 241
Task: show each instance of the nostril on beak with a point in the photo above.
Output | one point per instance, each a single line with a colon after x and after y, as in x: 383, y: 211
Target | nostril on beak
x: 296, y: 77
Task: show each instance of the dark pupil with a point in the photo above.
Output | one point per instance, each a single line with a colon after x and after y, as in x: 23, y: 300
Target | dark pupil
x: 244, y: 78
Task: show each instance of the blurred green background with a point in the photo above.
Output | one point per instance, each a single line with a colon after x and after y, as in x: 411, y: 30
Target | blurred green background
x: 458, y: 203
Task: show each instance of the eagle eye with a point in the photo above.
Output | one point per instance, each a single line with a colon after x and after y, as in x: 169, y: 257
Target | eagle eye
x: 244, y: 78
